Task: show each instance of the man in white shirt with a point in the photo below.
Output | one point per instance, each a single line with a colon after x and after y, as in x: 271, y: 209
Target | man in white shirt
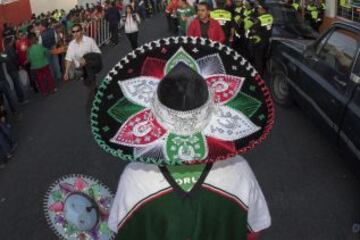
x: 78, y: 47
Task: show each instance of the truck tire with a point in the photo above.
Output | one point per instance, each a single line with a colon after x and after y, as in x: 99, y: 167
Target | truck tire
x: 280, y: 89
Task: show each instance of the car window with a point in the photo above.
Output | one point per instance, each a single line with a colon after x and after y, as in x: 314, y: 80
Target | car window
x: 338, y: 51
x: 284, y: 15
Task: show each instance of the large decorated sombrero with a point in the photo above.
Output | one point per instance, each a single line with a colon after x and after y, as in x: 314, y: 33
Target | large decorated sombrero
x: 77, y: 208
x: 181, y: 100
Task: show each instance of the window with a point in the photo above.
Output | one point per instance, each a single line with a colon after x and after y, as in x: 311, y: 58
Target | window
x: 339, y: 50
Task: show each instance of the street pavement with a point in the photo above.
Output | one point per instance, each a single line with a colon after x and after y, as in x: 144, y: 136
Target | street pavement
x: 311, y: 191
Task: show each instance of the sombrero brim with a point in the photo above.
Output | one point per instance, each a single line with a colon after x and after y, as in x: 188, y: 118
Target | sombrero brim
x: 124, y: 125
x: 54, y: 207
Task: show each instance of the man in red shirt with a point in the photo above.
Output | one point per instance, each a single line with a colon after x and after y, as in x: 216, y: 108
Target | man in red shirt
x: 204, y: 26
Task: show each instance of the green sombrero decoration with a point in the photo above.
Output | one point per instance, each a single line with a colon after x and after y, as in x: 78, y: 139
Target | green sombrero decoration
x: 131, y: 119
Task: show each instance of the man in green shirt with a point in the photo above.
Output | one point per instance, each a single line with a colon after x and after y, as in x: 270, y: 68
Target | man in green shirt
x: 184, y: 14
x: 38, y: 57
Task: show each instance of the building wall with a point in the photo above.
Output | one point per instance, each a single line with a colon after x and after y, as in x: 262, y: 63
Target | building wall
x: 14, y: 12
x: 331, y: 8
x: 84, y: 2
x: 39, y: 6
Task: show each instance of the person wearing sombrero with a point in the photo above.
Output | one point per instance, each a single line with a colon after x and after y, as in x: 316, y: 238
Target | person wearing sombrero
x: 182, y: 109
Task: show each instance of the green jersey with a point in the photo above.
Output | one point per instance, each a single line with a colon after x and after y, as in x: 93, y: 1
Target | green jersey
x: 38, y: 56
x: 183, y: 15
x: 224, y: 202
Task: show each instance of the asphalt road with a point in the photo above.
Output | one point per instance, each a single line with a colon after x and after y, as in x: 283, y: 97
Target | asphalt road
x: 311, y: 191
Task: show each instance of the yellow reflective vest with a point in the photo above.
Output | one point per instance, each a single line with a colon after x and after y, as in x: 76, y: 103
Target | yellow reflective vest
x: 266, y: 20
x: 313, y: 11
x: 296, y: 6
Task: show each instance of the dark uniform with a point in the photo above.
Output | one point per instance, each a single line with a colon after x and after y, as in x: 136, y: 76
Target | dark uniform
x: 258, y: 40
x: 244, y: 17
x: 313, y: 15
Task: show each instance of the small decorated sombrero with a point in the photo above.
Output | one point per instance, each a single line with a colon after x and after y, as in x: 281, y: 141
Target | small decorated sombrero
x: 77, y: 207
x: 181, y: 100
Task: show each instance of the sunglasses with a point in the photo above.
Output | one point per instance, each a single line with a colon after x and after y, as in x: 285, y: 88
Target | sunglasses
x: 76, y: 31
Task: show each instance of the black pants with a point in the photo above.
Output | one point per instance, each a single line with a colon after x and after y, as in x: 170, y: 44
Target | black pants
x: 17, y: 85
x: 133, y: 38
x: 91, y: 84
x: 113, y: 27
x: 258, y: 56
x: 241, y: 46
x: 92, y: 89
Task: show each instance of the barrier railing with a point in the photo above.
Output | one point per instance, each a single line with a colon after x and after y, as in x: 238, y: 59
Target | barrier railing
x: 99, y: 30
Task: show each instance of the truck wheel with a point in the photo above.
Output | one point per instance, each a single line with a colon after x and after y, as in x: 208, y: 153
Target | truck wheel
x: 280, y: 89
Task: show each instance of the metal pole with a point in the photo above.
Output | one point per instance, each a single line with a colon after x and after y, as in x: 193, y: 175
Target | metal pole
x: 97, y: 32
x: 107, y: 31
x: 91, y: 29
x: 102, y: 31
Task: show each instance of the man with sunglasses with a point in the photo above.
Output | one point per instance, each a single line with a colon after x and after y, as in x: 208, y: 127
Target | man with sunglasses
x: 78, y: 47
x: 83, y: 53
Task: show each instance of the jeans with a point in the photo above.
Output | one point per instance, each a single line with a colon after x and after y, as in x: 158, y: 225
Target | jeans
x: 17, y: 85
x: 7, y: 141
x: 5, y: 89
x: 113, y: 27
x: 142, y: 11
x: 55, y: 66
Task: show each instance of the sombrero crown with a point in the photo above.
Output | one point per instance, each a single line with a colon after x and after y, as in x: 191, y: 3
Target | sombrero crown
x: 181, y: 101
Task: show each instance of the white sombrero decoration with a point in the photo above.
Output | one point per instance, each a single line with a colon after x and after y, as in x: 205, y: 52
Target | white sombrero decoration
x: 131, y: 121
x: 77, y: 208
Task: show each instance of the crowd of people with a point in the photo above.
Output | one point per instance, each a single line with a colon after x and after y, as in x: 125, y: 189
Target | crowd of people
x: 37, y: 48
x: 35, y: 53
x: 244, y: 25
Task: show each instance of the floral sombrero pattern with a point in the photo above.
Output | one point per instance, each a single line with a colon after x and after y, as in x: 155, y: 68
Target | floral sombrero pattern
x: 125, y: 124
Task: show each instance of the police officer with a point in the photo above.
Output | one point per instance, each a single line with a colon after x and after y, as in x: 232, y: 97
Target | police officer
x: 293, y: 4
x: 313, y: 15
x: 237, y: 18
x: 321, y: 8
x: 224, y: 17
x: 244, y: 18
x: 259, y: 37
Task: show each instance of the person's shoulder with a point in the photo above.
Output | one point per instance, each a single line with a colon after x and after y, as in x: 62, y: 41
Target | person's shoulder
x: 195, y: 20
x: 71, y: 43
x: 213, y: 21
x: 139, y: 170
x: 236, y: 166
x: 143, y: 176
x: 88, y: 39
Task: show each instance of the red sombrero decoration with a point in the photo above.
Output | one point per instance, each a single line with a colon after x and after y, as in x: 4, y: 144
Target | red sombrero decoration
x: 134, y: 117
